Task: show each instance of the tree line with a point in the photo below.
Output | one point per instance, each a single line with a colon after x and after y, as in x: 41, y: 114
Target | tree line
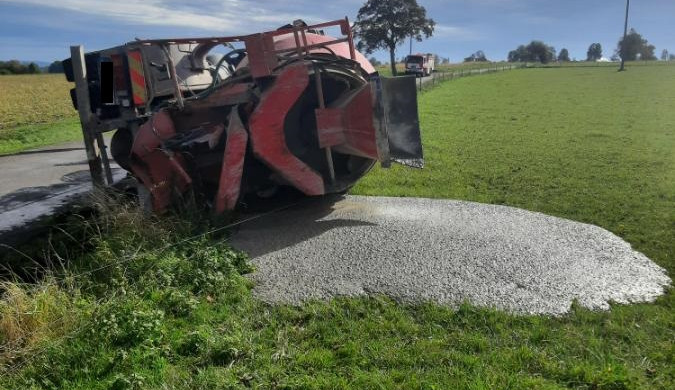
x: 18, y: 67
x: 633, y: 47
x: 387, y: 24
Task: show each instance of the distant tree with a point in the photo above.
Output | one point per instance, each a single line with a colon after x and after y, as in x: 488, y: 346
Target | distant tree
x: 539, y: 51
x: 535, y: 51
x: 594, y: 52
x: 615, y: 57
x: 55, y: 67
x: 564, y: 55
x: 664, y: 55
x: 478, y: 56
x: 33, y: 68
x: 672, y: 57
x: 635, y: 47
x: 445, y: 61
x: 16, y: 67
x: 385, y: 24
x: 647, y: 53
x: 519, y: 55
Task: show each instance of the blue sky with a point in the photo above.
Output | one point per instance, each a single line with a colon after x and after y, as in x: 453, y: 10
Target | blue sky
x: 43, y: 29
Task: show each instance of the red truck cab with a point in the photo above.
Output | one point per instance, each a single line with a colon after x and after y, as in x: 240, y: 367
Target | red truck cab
x: 419, y: 64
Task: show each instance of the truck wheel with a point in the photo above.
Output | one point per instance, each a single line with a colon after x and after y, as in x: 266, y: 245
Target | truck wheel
x: 120, y: 147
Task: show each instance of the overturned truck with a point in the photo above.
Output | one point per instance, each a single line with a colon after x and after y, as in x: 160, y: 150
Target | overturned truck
x: 291, y: 107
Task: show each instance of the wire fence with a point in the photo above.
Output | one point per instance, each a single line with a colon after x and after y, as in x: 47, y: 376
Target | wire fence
x: 451, y: 72
x: 448, y: 74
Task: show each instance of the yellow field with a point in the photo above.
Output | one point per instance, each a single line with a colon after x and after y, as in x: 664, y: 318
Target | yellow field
x: 34, y: 99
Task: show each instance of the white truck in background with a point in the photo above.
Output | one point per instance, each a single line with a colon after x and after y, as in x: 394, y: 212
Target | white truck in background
x: 420, y: 64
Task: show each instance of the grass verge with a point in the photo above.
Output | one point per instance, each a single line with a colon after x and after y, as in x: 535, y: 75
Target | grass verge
x: 27, y: 137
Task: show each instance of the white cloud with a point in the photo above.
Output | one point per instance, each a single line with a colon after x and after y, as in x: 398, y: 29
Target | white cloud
x: 232, y: 16
x: 455, y: 33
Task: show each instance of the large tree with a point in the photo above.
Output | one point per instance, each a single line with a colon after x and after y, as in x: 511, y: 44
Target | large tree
x: 564, y: 55
x: 633, y: 46
x: 594, y: 52
x: 385, y: 24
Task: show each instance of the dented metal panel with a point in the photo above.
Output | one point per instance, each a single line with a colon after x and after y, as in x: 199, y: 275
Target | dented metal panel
x: 292, y: 107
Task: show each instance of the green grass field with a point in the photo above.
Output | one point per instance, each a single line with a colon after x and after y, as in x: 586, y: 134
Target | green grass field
x: 588, y: 144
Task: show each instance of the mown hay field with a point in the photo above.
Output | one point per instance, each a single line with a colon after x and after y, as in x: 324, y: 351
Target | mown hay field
x: 33, y: 99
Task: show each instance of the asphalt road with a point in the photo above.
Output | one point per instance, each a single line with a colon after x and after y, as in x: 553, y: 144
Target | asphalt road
x: 41, y: 167
x: 415, y: 250
x: 37, y: 184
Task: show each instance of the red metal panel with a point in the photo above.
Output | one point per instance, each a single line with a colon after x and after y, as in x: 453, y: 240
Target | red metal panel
x: 342, y: 49
x: 267, y: 130
x: 233, y: 165
x: 232, y: 95
x: 352, y: 124
x: 330, y: 126
x: 261, y: 54
x: 359, y: 128
x: 162, y: 172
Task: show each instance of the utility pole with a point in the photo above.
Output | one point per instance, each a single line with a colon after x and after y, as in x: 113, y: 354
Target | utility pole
x: 623, y: 43
x: 410, y: 45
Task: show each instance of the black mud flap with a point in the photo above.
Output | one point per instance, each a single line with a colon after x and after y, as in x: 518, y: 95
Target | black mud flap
x: 401, y: 120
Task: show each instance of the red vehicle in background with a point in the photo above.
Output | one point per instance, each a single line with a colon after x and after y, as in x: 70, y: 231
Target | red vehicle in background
x: 420, y: 64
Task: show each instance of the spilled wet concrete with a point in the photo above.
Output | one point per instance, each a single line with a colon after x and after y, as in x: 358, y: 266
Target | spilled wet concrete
x: 448, y: 252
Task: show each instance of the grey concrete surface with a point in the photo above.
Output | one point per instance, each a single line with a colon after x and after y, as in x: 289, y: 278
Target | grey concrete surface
x: 443, y: 251
x: 37, y: 184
